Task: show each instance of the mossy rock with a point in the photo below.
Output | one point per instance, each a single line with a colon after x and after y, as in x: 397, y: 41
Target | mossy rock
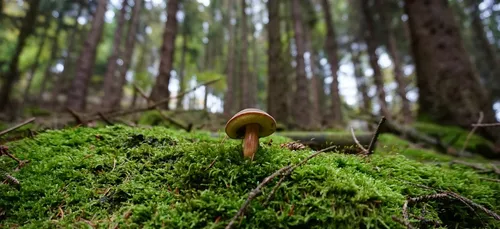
x: 158, y: 177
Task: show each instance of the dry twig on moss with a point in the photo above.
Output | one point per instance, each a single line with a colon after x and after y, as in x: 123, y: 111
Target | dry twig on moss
x: 481, y: 116
x: 480, y: 168
x: 486, y: 125
x: 375, y: 136
x: 3, y: 132
x: 285, y: 171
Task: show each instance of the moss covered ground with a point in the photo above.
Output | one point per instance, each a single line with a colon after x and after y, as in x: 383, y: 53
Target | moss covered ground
x: 125, y: 177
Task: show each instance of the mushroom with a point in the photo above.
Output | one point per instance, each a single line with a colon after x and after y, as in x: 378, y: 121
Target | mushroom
x: 250, y: 124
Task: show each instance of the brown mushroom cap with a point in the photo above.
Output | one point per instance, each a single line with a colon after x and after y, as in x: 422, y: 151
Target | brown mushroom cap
x: 235, y: 126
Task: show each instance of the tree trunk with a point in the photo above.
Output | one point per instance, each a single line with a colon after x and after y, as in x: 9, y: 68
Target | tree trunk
x: 12, y: 74
x: 205, y: 98
x: 490, y: 58
x: 254, y: 78
x: 34, y: 67
x: 182, y: 84
x: 301, y: 110
x: 245, y: 100
x: 315, y: 112
x: 68, y: 61
x: 77, y: 94
x: 361, y: 80
x: 449, y: 91
x: 371, y: 42
x: 127, y: 55
x: 54, y: 51
x: 160, y: 90
x: 396, y: 60
x: 229, y: 95
x: 111, y: 75
x: 277, y: 104
x: 333, y: 60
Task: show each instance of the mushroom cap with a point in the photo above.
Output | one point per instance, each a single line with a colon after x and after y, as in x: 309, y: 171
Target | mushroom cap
x: 235, y: 125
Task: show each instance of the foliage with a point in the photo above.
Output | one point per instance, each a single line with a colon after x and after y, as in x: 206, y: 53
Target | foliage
x: 158, y: 177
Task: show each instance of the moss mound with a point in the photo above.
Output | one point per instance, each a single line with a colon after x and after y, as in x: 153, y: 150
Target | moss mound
x: 157, y: 177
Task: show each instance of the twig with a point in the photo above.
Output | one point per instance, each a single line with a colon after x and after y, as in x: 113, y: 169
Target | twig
x: 490, y: 179
x: 357, y: 142
x: 4, y: 150
x: 486, y: 125
x: 375, y: 136
x: 481, y: 116
x: 289, y: 171
x: 211, y: 164
x: 156, y: 104
x: 106, y: 120
x: 481, y: 207
x: 76, y: 116
x: 254, y: 193
x: 141, y: 93
x: 476, y: 167
x: 17, y: 126
x: 401, y: 221
x: 414, y: 200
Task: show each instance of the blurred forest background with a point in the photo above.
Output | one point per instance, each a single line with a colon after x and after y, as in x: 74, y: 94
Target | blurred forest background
x: 312, y: 64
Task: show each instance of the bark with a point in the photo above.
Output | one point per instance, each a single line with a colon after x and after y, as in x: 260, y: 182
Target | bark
x: 112, y: 74
x: 68, y: 62
x: 77, y: 93
x: 182, y: 84
x: 254, y: 78
x: 450, y: 93
x: 301, y: 110
x: 54, y: 51
x: 277, y: 104
x: 314, y: 81
x: 35, y: 65
x: 371, y: 42
x: 12, y: 73
x: 361, y: 80
x: 229, y: 96
x: 160, y: 90
x: 245, y: 101
x: 205, y: 98
x: 396, y: 60
x: 127, y: 55
x: 333, y: 60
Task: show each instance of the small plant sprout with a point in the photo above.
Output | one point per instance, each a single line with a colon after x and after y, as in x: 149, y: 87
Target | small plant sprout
x: 250, y: 124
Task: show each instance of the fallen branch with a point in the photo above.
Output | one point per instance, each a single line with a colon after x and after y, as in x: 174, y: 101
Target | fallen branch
x: 481, y: 116
x: 490, y: 179
x: 477, y: 167
x: 357, y: 142
x: 442, y: 195
x: 486, y: 125
x: 285, y: 171
x: 373, y: 142
x: 4, y: 150
x: 106, y: 120
x: 76, y: 116
x: 113, y: 114
x: 3, y: 132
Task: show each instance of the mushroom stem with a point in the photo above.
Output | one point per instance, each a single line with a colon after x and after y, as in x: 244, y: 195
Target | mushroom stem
x: 251, y: 140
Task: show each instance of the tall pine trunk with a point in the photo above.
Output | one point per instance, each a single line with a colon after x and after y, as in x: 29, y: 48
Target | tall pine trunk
x: 245, y: 101
x: 182, y: 84
x: 229, y: 95
x: 371, y: 42
x: 12, y: 74
x: 396, y: 61
x: 68, y: 61
x: 35, y: 65
x: 301, y: 109
x: 277, y: 104
x: 450, y: 92
x: 127, y: 54
x: 315, y: 112
x: 160, y: 90
x: 77, y: 94
x: 111, y: 75
x: 333, y: 60
x: 54, y: 51
x: 360, y: 79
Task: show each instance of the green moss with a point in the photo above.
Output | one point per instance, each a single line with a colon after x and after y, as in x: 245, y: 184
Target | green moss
x: 456, y: 135
x: 393, y: 145
x: 158, y: 177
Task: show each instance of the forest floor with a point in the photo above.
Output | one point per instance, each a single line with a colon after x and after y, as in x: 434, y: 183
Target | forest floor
x: 118, y: 176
